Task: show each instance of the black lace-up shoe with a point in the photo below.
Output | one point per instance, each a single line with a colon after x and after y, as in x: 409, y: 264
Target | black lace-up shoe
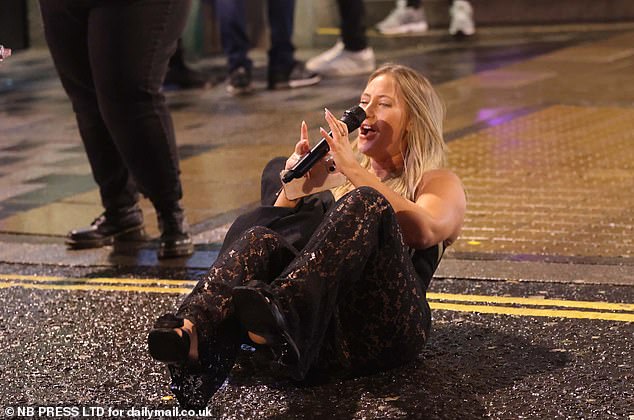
x: 296, y: 77
x: 124, y: 224
x: 175, y: 240
x: 239, y: 82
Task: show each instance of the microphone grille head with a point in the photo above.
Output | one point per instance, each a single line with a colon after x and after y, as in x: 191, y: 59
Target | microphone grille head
x: 353, y: 117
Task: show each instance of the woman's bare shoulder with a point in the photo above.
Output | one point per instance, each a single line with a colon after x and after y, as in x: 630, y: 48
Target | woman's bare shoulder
x: 442, y: 193
x: 440, y: 176
x: 441, y: 172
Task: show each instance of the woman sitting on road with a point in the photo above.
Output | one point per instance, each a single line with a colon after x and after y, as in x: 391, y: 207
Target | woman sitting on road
x: 335, y: 280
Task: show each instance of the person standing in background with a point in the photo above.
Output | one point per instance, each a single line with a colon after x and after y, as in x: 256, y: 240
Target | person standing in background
x: 111, y: 57
x: 409, y: 17
x: 284, y: 71
x: 352, y: 56
x: 461, y: 14
x: 181, y: 75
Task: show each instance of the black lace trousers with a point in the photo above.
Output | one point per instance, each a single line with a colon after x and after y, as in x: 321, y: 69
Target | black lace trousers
x: 351, y: 296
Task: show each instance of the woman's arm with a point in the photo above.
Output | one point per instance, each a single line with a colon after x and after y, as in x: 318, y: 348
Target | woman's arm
x: 442, y: 205
x: 436, y: 215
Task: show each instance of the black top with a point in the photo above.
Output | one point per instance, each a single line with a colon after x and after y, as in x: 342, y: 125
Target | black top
x: 297, y: 224
x: 426, y: 262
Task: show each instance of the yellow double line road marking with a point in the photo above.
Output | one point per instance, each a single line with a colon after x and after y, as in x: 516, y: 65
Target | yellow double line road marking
x: 596, y: 310
x: 98, y: 283
x: 441, y: 301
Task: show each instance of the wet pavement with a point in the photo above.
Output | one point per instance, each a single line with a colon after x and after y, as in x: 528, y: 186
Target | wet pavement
x: 533, y: 306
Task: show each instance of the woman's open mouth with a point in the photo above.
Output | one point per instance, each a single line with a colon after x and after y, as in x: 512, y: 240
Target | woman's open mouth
x: 366, y: 129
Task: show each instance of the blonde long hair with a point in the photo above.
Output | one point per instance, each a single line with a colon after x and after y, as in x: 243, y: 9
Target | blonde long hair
x: 423, y: 147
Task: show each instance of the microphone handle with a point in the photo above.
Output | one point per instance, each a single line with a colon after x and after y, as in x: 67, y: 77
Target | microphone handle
x: 316, y: 153
x: 352, y: 117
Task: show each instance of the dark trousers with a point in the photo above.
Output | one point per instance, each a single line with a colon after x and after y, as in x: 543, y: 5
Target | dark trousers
x: 236, y: 44
x: 418, y: 3
x: 353, y: 26
x: 351, y: 295
x: 112, y: 56
x: 352, y: 14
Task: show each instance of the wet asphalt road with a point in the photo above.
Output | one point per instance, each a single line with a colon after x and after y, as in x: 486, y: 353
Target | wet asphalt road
x: 87, y: 348
x: 71, y: 348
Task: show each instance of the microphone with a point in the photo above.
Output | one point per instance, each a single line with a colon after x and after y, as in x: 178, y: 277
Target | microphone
x: 353, y: 118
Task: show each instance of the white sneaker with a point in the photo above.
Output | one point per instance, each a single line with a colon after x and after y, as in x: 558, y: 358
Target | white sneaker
x: 318, y: 61
x: 340, y: 62
x: 403, y: 20
x: 461, y: 18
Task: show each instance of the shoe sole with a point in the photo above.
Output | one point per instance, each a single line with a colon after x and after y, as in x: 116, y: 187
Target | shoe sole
x: 178, y: 252
x: 461, y: 32
x: 406, y: 29
x: 233, y: 91
x: 346, y: 73
x: 295, y: 84
x: 135, y: 234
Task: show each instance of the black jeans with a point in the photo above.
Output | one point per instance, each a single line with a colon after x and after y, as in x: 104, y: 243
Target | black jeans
x: 418, y: 3
x: 353, y: 26
x: 236, y: 44
x: 351, y: 296
x: 352, y: 14
x: 112, y: 56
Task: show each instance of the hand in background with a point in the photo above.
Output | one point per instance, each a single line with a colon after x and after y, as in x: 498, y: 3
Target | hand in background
x: 4, y: 52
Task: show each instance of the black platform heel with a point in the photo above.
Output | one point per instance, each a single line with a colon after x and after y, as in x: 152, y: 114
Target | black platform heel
x: 194, y: 382
x: 259, y: 313
x: 164, y: 343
